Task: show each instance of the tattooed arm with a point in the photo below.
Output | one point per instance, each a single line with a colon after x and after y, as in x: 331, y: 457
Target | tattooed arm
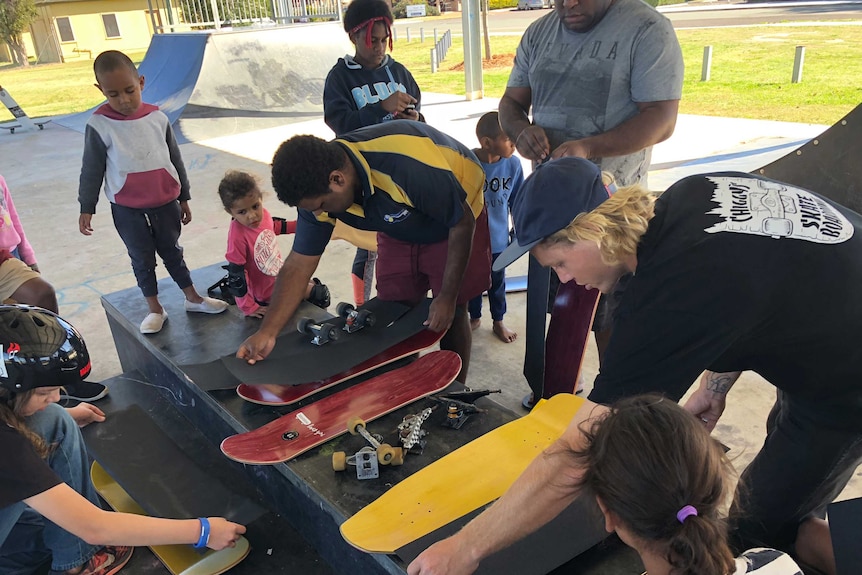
x: 709, y: 400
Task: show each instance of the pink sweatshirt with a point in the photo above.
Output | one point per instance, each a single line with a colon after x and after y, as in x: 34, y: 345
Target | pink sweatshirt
x: 11, y: 231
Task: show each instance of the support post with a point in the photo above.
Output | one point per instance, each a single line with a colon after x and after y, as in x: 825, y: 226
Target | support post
x: 707, y: 64
x: 798, y: 62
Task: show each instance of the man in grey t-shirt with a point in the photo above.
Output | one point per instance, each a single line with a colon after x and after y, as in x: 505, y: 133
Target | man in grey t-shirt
x: 603, y: 79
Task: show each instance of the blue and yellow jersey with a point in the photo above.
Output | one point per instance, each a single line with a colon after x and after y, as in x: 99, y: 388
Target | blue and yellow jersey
x: 413, y: 180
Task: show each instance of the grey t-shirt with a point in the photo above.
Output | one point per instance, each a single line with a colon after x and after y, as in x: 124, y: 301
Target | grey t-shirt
x: 586, y: 83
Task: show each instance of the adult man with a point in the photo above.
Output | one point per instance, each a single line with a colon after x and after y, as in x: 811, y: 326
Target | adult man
x: 420, y: 189
x: 603, y: 79
x: 729, y: 274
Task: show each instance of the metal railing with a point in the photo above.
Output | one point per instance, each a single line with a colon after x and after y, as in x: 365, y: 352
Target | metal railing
x: 188, y: 15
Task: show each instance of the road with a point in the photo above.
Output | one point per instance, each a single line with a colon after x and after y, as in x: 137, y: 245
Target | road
x: 504, y: 22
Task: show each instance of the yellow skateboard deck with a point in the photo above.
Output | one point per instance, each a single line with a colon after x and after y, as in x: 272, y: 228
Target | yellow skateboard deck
x: 179, y: 559
x: 461, y: 482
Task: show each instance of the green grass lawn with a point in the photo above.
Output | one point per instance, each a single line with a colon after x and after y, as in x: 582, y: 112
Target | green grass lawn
x: 750, y: 77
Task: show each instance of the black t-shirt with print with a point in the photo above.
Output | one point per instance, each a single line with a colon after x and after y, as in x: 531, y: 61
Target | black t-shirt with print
x: 736, y: 273
x: 23, y: 473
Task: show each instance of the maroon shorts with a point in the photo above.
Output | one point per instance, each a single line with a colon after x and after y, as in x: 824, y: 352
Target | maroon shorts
x: 405, y: 271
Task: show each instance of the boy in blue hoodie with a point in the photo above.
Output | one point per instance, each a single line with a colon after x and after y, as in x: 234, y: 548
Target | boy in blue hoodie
x: 365, y: 89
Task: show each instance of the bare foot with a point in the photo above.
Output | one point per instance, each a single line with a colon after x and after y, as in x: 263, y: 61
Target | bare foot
x: 505, y: 334
x: 475, y: 323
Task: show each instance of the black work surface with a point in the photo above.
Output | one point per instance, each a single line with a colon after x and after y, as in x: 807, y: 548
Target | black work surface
x: 275, y: 546
x: 305, y: 491
x: 157, y: 473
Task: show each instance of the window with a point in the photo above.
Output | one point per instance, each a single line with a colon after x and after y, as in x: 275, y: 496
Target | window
x: 64, y: 26
x: 112, y: 29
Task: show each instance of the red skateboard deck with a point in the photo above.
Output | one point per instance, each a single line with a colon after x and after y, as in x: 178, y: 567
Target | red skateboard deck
x: 289, y: 394
x: 568, y: 333
x: 295, y: 433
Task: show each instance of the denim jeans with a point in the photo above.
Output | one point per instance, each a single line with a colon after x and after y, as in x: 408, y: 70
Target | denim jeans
x: 496, y: 297
x: 28, y: 539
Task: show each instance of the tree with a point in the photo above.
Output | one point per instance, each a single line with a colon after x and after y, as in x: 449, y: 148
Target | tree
x: 487, y: 36
x: 15, y: 19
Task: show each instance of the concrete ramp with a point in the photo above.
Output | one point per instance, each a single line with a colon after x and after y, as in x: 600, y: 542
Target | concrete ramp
x: 829, y: 164
x: 214, y: 84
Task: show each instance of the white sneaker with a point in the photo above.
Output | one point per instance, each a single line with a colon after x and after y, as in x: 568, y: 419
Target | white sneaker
x: 209, y: 305
x: 154, y: 321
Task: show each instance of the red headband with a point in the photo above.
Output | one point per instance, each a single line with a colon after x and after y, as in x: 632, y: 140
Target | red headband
x: 370, y: 23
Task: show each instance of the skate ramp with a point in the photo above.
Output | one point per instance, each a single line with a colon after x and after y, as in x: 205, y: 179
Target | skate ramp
x: 828, y: 164
x: 214, y: 84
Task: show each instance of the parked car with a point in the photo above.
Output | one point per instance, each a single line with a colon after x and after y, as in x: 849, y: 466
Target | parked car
x: 534, y: 4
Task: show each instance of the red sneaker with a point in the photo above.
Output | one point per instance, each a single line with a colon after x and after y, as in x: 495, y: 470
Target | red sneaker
x: 107, y: 561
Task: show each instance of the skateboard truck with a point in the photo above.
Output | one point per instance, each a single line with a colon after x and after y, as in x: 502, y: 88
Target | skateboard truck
x: 459, y: 405
x: 354, y: 319
x: 367, y: 459
x: 410, y: 430
x: 322, y: 332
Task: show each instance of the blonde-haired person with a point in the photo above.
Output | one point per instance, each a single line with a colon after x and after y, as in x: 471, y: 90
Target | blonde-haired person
x: 731, y: 272
x: 49, y: 509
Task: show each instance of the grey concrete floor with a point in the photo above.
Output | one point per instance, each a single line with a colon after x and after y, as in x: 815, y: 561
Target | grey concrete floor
x: 42, y: 170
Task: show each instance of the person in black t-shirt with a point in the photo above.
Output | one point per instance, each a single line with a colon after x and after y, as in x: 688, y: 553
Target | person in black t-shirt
x: 48, y: 506
x: 732, y: 272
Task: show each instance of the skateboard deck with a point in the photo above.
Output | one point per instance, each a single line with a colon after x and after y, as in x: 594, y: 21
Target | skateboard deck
x: 459, y: 483
x: 568, y: 334
x: 296, y: 360
x: 179, y: 559
x: 552, y: 362
x: 289, y: 394
x: 295, y: 433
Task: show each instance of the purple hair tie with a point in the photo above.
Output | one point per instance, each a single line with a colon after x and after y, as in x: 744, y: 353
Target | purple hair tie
x: 685, y: 513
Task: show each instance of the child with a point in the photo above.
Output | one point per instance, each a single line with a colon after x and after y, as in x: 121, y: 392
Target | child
x: 252, y: 250
x: 131, y: 147
x: 366, y: 89
x: 12, y: 237
x: 503, y: 178
x: 49, y: 508
x: 660, y: 481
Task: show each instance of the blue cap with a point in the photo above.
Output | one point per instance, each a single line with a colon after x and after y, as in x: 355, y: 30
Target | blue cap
x: 549, y: 199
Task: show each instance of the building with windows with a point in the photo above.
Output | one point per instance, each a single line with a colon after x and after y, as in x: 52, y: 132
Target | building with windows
x: 67, y: 30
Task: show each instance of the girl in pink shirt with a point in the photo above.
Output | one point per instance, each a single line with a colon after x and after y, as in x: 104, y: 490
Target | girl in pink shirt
x: 12, y: 237
x: 253, y: 256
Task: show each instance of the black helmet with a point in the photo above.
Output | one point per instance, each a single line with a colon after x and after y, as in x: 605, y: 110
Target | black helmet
x: 39, y: 349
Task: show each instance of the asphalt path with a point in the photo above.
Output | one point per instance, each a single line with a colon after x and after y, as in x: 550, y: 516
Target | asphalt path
x: 504, y: 22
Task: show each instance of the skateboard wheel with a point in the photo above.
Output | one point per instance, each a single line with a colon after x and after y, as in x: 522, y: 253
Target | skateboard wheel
x: 366, y: 318
x: 330, y: 330
x: 388, y: 455
x: 302, y: 325
x: 353, y: 425
x: 343, y: 309
x: 339, y: 461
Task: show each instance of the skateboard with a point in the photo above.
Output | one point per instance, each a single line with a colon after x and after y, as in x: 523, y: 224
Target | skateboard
x: 568, y: 333
x: 295, y: 433
x: 552, y: 362
x: 289, y: 394
x: 179, y: 559
x: 39, y: 123
x: 20, y: 115
x: 296, y: 360
x: 459, y: 483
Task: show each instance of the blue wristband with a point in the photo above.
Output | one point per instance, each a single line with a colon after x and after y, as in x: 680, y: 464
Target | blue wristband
x: 205, y: 533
